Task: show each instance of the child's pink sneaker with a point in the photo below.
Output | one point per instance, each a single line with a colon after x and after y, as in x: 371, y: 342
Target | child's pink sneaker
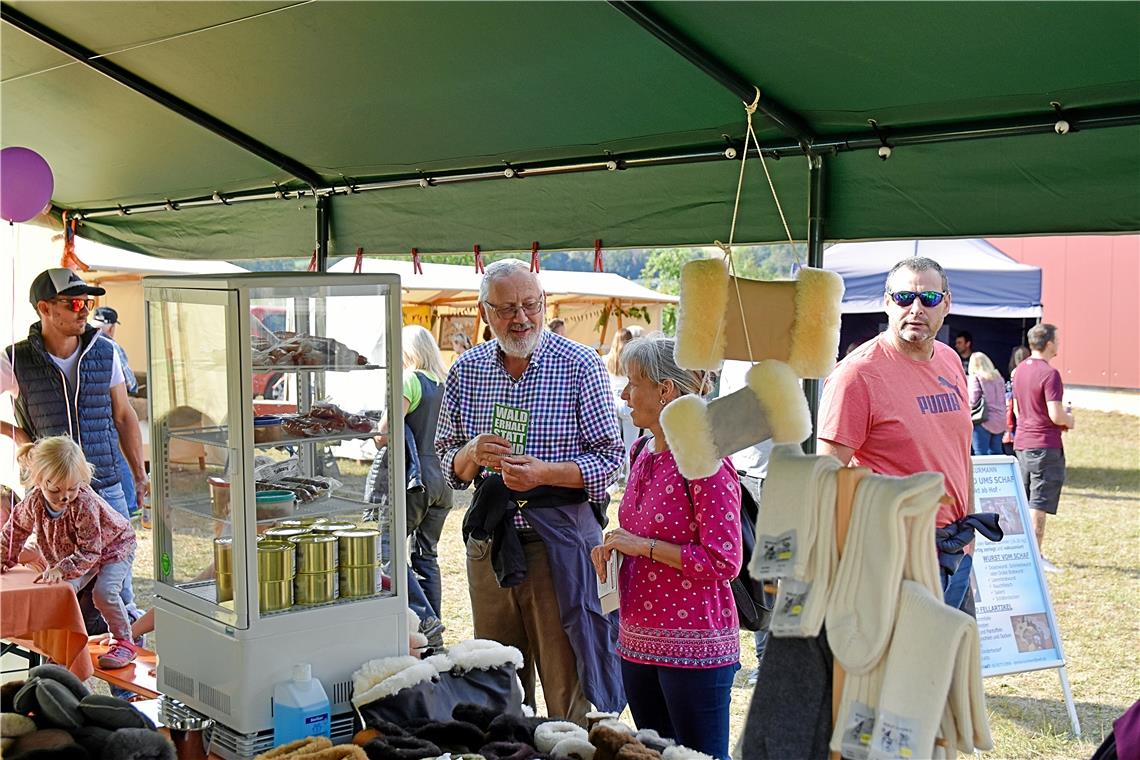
x: 120, y: 655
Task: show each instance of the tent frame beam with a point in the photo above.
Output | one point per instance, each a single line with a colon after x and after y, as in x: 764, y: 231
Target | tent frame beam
x: 788, y: 121
x: 92, y: 60
x: 1034, y: 124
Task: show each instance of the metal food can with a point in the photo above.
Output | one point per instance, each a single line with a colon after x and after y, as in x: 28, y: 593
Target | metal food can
x: 315, y: 588
x: 358, y: 547
x: 279, y: 533
x: 224, y: 555
x: 276, y: 561
x: 275, y: 595
x: 316, y: 553
x: 359, y: 580
x: 299, y: 522
x: 224, y: 586
x: 329, y: 528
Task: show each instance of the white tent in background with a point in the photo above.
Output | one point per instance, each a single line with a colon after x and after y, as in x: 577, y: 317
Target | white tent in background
x: 444, y: 296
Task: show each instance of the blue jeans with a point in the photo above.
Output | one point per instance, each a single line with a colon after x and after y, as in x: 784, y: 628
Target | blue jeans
x: 114, y: 496
x: 110, y: 594
x: 127, y: 481
x: 689, y: 705
x: 425, y: 557
x: 985, y: 442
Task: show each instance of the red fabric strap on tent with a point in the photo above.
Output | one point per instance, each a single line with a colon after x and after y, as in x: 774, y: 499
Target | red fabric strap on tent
x: 417, y: 267
x: 313, y: 262
x: 534, y: 257
x: 358, y: 265
x: 69, y: 258
x: 478, y: 260
x: 598, y: 256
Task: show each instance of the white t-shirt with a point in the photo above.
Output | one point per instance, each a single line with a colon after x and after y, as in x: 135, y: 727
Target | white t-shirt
x: 69, y: 365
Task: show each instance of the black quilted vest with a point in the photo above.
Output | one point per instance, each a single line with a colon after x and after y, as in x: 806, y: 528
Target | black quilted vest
x: 47, y: 405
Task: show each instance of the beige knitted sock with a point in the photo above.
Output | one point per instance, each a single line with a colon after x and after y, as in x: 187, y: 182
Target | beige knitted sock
x: 919, y: 668
x: 855, y: 721
x: 861, y: 610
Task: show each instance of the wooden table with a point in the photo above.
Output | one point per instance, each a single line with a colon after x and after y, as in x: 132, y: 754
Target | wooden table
x: 47, y: 616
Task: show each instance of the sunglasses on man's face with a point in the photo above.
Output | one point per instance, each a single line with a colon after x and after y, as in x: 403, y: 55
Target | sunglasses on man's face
x: 929, y: 298
x: 75, y: 304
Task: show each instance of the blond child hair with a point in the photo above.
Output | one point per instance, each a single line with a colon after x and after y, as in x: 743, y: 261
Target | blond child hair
x: 57, y: 459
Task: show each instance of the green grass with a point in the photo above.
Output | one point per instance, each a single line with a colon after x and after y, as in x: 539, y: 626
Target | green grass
x: 1094, y: 538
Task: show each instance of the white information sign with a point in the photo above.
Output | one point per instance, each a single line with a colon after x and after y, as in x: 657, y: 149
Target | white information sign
x: 1016, y: 624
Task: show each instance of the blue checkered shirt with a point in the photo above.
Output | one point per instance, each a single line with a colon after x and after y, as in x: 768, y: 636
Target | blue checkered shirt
x: 567, y: 392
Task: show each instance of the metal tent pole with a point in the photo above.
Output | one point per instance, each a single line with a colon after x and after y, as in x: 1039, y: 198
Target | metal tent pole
x: 324, y: 208
x: 814, y: 259
x: 788, y: 121
x: 91, y: 60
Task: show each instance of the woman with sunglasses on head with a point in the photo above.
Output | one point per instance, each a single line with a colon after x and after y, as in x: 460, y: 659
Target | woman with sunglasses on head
x: 679, y: 639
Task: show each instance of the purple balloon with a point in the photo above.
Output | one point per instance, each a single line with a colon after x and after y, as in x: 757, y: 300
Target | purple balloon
x: 26, y: 184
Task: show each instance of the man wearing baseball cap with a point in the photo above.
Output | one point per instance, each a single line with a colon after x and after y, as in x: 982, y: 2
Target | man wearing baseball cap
x: 67, y: 379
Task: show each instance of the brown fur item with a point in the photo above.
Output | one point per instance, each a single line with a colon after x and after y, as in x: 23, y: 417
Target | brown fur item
x: 297, y: 749
x: 635, y: 750
x: 608, y: 741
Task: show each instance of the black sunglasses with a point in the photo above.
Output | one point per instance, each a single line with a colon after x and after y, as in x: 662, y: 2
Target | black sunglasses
x: 929, y: 298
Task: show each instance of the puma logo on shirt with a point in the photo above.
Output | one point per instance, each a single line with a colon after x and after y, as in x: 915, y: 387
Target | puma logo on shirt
x: 939, y: 403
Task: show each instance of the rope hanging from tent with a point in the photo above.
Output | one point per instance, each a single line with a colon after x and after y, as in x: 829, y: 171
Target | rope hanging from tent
x: 534, y: 265
x: 478, y: 260
x: 598, y: 256
x: 417, y: 266
x: 358, y: 265
x: 749, y: 138
x: 312, y: 262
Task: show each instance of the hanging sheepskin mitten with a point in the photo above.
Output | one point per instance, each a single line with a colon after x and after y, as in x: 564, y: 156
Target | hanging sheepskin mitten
x: 772, y: 405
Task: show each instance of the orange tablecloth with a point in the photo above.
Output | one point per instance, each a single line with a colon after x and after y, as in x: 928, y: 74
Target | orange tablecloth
x: 47, y: 615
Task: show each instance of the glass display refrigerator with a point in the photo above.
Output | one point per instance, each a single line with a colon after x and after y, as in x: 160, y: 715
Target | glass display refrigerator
x: 270, y: 549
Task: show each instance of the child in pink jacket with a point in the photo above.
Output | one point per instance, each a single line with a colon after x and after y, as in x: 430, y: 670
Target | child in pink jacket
x: 82, y: 538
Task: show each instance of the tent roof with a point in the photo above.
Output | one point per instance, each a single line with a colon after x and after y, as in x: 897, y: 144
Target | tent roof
x: 984, y: 282
x: 385, y: 91
x: 442, y: 284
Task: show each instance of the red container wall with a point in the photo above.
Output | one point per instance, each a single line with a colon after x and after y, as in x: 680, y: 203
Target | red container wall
x: 1091, y: 290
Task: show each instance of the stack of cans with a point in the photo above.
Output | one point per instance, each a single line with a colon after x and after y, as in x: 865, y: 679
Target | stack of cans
x: 359, y: 561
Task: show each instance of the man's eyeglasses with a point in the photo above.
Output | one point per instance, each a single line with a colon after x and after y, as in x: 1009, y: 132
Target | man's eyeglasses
x: 76, y: 304
x: 929, y: 298
x: 530, y: 308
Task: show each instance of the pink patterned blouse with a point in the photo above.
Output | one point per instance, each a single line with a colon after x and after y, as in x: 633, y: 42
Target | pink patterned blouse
x: 680, y: 618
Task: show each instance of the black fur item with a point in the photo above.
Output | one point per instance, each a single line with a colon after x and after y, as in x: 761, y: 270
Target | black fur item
x: 512, y: 728
x: 8, y: 693
x: 477, y: 714
x: 386, y: 728
x: 509, y: 751
x: 454, y: 736
x: 92, y: 738
x: 63, y: 675
x: 401, y: 748
x: 138, y: 744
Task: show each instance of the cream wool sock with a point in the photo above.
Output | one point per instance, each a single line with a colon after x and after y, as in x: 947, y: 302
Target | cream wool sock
x: 967, y: 702
x: 920, y: 665
x: 855, y: 720
x: 794, y: 514
x: 921, y: 563
x: 861, y: 610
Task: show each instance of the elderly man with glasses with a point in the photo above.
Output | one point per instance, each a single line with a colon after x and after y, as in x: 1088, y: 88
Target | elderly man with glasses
x: 530, y: 419
x: 898, y: 404
x: 67, y: 379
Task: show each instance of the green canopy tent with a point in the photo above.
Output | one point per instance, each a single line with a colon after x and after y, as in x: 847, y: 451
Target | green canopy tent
x: 260, y: 129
